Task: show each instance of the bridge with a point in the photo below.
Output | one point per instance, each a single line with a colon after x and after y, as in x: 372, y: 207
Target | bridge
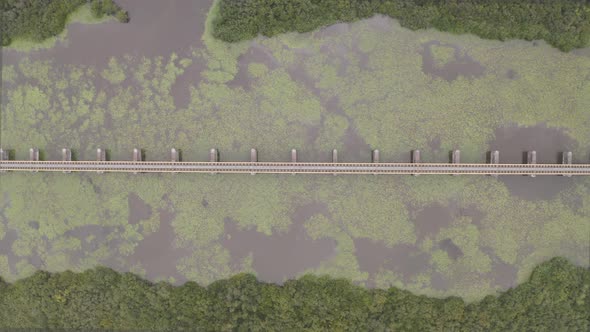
x: 174, y: 165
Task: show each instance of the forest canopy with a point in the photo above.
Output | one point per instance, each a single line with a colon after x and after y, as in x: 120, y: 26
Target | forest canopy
x: 556, y: 298
x: 564, y: 24
x: 38, y: 20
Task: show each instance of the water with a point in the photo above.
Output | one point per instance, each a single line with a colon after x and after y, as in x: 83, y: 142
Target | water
x: 160, y: 28
x: 513, y: 142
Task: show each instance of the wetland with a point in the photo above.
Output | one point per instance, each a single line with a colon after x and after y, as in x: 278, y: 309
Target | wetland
x: 162, y: 81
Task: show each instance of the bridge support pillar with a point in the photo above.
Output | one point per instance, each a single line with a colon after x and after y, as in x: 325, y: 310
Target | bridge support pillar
x: 101, y: 155
x: 3, y: 156
x: 34, y: 154
x: 174, y: 155
x: 253, y: 157
x: 531, y: 158
x: 455, y: 157
x: 375, y: 156
x: 213, y: 156
x: 415, y: 156
x: 293, y: 157
x: 334, y: 157
x: 66, y: 155
x: 137, y: 156
x: 566, y: 158
x: 494, y: 159
x: 415, y: 159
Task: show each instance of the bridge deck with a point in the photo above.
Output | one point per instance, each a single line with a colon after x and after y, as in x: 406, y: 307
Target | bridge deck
x: 298, y: 167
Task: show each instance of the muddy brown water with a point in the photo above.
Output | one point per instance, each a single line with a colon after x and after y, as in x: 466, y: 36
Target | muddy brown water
x: 406, y: 260
x: 355, y: 147
x: 157, y: 252
x: 10, y: 235
x: 504, y: 275
x: 513, y: 142
x: 138, y: 209
x: 461, y: 64
x: 255, y: 54
x: 6, y: 242
x: 431, y: 219
x: 157, y: 28
x: 451, y: 248
x: 181, y: 87
x: 98, y: 234
x: 438, y: 281
x: 284, y: 254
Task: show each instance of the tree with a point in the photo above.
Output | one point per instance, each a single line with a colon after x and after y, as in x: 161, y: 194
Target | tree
x: 563, y: 23
x: 556, y: 298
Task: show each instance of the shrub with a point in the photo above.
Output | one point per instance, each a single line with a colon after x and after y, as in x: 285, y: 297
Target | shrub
x: 38, y: 20
x: 564, y: 24
x: 556, y: 298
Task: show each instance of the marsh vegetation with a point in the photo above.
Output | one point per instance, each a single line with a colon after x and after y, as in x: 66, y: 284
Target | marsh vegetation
x: 368, y: 84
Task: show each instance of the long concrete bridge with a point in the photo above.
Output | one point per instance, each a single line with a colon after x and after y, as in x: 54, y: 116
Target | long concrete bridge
x: 214, y: 165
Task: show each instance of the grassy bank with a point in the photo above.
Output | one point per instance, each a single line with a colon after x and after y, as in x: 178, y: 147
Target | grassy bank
x: 564, y: 24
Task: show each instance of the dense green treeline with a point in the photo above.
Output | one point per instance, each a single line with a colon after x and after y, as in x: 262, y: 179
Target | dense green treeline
x: 564, y: 24
x: 556, y: 298
x: 38, y: 20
